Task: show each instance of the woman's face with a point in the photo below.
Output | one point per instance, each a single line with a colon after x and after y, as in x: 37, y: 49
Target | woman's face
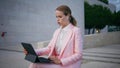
x: 61, y: 18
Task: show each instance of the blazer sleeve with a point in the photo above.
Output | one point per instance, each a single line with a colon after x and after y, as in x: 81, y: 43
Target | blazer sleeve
x: 77, y: 49
x: 46, y: 50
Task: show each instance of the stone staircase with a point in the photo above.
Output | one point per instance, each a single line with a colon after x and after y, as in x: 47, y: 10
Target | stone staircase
x: 102, y: 55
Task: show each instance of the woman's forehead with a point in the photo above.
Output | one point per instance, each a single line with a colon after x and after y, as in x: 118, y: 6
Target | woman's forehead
x: 59, y: 12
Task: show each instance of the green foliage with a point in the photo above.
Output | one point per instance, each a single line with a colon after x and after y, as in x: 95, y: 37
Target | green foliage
x: 102, y: 16
x: 96, y: 16
x: 88, y: 18
x: 116, y: 19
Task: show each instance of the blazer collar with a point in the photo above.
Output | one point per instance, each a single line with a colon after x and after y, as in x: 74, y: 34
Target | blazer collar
x: 66, y: 28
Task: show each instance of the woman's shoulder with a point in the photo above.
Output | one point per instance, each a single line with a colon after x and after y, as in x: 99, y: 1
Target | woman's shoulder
x: 75, y: 28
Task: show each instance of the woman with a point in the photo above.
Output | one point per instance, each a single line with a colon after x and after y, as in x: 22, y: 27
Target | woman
x: 65, y: 48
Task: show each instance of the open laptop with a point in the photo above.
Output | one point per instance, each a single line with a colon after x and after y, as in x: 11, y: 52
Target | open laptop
x: 32, y: 56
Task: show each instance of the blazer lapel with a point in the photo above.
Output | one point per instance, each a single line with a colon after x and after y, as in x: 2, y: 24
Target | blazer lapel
x: 69, y: 34
x: 55, y: 39
x: 56, y: 35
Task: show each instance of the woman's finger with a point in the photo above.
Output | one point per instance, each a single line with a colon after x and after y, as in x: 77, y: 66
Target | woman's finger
x: 25, y: 51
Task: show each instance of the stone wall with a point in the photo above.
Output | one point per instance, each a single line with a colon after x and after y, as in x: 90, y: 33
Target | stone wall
x: 94, y: 40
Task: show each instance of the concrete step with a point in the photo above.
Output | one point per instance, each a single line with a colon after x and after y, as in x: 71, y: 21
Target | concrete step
x: 101, y: 59
x: 103, y: 50
x: 104, y: 55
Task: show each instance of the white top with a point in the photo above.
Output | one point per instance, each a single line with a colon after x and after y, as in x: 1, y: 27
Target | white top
x: 61, y: 37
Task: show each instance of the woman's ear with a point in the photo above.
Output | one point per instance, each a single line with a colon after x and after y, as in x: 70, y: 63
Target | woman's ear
x: 68, y: 16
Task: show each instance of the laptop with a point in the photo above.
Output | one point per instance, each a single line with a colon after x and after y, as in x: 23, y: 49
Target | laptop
x: 32, y: 56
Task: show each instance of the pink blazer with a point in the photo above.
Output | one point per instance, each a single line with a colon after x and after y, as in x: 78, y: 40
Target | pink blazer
x: 71, y: 53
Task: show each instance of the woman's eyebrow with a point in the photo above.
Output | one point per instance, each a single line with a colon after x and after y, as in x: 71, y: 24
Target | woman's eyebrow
x: 58, y: 16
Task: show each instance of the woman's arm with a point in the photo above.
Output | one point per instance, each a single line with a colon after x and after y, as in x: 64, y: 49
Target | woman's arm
x: 43, y: 51
x: 46, y: 50
x: 77, y: 49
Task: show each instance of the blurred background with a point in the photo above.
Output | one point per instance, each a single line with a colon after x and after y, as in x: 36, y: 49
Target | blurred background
x: 102, y: 16
x: 34, y: 21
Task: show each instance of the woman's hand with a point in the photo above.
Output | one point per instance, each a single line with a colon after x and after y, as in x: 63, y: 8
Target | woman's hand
x: 25, y: 51
x: 55, y: 59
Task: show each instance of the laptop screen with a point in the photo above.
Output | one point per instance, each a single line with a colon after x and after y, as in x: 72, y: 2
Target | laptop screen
x: 29, y: 48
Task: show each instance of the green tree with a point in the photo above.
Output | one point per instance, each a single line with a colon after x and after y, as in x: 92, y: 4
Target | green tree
x: 88, y: 17
x: 102, y: 16
x: 96, y: 17
x: 116, y: 21
x: 117, y: 18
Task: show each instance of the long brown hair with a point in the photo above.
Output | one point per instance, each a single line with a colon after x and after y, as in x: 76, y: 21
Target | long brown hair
x: 67, y: 11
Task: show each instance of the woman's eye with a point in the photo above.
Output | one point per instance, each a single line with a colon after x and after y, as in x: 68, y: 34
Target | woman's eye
x: 60, y: 16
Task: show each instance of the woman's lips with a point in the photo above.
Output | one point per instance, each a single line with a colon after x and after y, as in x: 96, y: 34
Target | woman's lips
x: 58, y: 22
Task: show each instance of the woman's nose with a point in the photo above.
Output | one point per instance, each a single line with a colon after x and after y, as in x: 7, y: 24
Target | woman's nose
x: 57, y: 19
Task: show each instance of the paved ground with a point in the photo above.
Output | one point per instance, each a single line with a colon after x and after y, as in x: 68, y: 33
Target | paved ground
x: 100, y: 65
x: 13, y: 57
x: 10, y: 59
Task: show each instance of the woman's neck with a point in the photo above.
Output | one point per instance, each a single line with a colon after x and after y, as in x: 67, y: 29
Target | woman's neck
x: 65, y: 26
x: 67, y: 23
